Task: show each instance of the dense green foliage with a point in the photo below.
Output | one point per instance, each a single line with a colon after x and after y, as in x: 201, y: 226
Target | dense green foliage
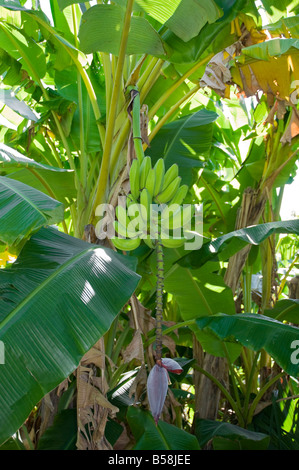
x: 216, y: 89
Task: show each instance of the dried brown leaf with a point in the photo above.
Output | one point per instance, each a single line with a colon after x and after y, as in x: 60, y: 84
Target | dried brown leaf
x: 139, y: 384
x: 292, y: 130
x: 135, y: 349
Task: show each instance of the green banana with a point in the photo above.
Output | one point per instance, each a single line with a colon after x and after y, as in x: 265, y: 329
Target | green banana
x: 135, y: 214
x: 181, y: 217
x: 126, y: 244
x: 170, y: 175
x: 180, y: 195
x: 149, y: 242
x: 130, y: 200
x: 122, y: 215
x: 150, y: 181
x: 145, y: 202
x: 134, y: 177
x: 172, y: 242
x: 145, y: 167
x: 120, y: 229
x: 168, y: 193
x: 159, y: 172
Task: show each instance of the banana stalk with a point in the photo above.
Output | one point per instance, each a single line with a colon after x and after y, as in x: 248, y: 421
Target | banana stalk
x: 159, y: 298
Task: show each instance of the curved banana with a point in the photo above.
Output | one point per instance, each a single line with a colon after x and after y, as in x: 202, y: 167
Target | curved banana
x: 170, y: 175
x: 172, y: 242
x: 150, y: 181
x: 126, y: 244
x: 181, y: 217
x: 167, y: 194
x: 145, y: 202
x: 180, y: 195
x: 159, y: 172
x: 122, y: 215
x: 120, y: 229
x: 134, y: 177
x: 149, y: 242
x: 145, y: 167
x: 171, y: 217
x: 137, y: 216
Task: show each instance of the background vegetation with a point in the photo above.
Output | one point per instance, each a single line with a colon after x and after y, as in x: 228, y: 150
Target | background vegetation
x: 218, y: 88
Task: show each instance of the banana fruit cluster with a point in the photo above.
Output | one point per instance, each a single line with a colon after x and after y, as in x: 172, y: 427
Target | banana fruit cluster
x: 152, y: 187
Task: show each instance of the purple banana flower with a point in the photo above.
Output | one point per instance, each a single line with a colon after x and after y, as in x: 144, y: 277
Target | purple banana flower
x: 157, y: 385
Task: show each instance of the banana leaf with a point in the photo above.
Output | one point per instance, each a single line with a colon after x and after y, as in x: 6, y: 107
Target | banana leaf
x: 58, y: 298
x: 230, y: 435
x: 101, y: 29
x: 22, y: 48
x: 198, y: 293
x: 257, y: 332
x: 162, y: 437
x: 186, y: 141
x: 227, y: 245
x: 55, y: 182
x: 23, y: 210
x: 285, y: 310
x: 62, y: 435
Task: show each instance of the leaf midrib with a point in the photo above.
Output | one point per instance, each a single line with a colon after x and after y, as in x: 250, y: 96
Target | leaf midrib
x: 23, y: 197
x: 43, y: 284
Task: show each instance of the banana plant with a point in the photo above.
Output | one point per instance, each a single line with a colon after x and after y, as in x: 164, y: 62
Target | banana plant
x: 91, y: 116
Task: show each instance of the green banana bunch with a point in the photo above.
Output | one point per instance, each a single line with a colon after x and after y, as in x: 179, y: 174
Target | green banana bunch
x: 151, y: 185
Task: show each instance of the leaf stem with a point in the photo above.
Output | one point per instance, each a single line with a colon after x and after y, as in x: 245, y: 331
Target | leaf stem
x: 104, y: 172
x: 225, y: 393
x: 176, y: 84
x: 172, y: 110
x: 260, y: 395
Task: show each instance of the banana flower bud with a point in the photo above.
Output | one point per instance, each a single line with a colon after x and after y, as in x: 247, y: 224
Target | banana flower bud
x: 157, y: 385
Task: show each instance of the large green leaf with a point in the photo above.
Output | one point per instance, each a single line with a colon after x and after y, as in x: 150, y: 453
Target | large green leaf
x: 101, y: 29
x: 58, y: 298
x: 24, y: 49
x: 227, y: 245
x: 235, y: 437
x: 185, y: 18
x: 190, y: 17
x: 201, y: 292
x: 257, y: 332
x: 24, y: 209
x: 62, y: 435
x: 20, y: 107
x: 212, y: 38
x: 56, y: 182
x: 285, y: 309
x: 162, y: 437
x: 185, y: 141
x: 276, y: 10
x: 11, y: 4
